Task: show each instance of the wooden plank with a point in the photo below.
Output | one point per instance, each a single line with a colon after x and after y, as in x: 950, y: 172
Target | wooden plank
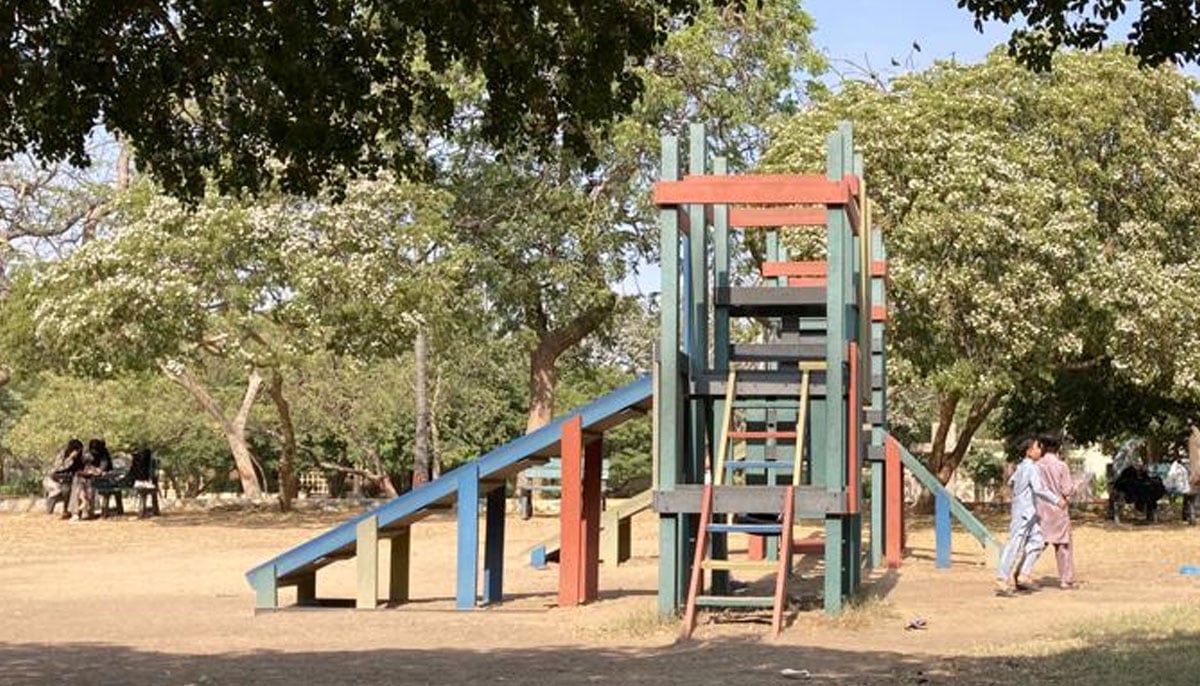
x: 811, y: 502
x: 593, y: 454
x: 778, y: 352
x: 570, y: 556
x: 467, y: 573
x: 366, y: 534
x: 757, y: 301
x: 399, y: 546
x: 761, y: 435
x: 266, y: 588
x: 740, y: 565
x: 669, y: 391
x: 493, y: 547
x: 306, y: 590
x: 894, y: 503
x: 736, y: 601
x: 754, y: 189
x: 696, y: 580
x: 812, y: 268
x: 759, y: 383
x: 879, y: 313
x: 776, y: 217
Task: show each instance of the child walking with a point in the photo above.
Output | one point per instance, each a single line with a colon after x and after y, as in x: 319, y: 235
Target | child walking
x: 1025, y: 540
x: 1056, y: 521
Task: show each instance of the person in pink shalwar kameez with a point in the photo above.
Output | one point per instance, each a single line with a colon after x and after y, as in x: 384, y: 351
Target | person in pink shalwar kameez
x: 1056, y: 521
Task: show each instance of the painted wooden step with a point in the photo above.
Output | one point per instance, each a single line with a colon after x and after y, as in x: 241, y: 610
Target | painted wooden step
x: 811, y: 348
x: 760, y: 435
x: 735, y: 601
x: 745, y: 528
x: 771, y: 301
x: 739, y: 465
x: 742, y: 565
x: 759, y: 383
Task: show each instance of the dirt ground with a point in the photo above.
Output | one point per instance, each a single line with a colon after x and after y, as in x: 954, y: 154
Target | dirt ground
x: 165, y: 602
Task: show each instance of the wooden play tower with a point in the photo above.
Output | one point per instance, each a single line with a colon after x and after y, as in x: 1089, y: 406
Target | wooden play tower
x: 754, y: 437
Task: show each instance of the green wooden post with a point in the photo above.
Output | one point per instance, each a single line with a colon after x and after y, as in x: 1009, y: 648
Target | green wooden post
x: 721, y: 351
x: 266, y: 589
x: 835, y: 357
x: 669, y: 399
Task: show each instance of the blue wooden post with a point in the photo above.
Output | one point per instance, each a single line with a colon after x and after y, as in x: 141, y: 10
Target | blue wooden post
x: 493, y: 556
x: 941, y: 525
x: 468, y: 537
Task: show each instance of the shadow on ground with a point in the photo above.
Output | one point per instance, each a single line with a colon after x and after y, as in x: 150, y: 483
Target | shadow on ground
x: 1119, y: 659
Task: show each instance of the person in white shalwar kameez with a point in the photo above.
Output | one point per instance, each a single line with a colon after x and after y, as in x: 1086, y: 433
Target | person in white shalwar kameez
x: 1025, y: 541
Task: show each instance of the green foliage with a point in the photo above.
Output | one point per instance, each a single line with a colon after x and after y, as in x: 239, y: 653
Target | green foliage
x: 1035, y: 222
x: 129, y: 412
x: 1166, y: 31
x: 251, y: 92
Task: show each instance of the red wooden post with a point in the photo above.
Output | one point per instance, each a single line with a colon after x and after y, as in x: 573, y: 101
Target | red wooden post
x: 570, y: 555
x: 593, y: 472
x: 893, y: 498
x: 757, y: 547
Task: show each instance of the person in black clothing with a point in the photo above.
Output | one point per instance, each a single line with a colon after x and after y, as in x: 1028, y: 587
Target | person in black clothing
x: 96, y: 461
x: 58, y: 484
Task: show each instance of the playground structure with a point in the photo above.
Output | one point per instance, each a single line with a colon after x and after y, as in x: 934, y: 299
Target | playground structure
x: 749, y: 438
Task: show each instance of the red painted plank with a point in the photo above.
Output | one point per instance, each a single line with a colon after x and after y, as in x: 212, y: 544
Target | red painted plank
x: 809, y: 546
x: 879, y: 313
x: 757, y: 189
x: 775, y: 217
x: 811, y: 268
x: 593, y: 468
x: 757, y: 548
x: 570, y: 555
x: 696, y: 583
x: 807, y: 281
x: 893, y: 503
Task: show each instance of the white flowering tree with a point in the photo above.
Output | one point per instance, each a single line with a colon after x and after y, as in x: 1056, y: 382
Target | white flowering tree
x: 257, y: 284
x: 1034, y: 223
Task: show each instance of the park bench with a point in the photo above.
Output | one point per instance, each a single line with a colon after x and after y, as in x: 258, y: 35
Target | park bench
x: 139, y: 479
x: 547, y: 478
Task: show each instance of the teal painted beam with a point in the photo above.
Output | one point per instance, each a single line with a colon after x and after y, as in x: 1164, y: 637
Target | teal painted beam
x: 467, y: 581
x: 669, y: 399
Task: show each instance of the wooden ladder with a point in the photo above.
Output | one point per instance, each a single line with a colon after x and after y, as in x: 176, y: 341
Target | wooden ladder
x: 704, y: 559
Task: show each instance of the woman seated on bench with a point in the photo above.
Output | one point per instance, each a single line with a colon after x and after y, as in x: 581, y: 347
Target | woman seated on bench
x: 58, y: 484
x: 96, y: 462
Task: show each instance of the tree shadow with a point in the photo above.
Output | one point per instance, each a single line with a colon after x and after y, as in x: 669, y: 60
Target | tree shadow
x: 1122, y: 658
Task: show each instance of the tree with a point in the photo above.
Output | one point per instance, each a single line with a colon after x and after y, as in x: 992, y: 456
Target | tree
x: 1165, y: 30
x: 247, y: 93
x: 551, y: 234
x: 254, y: 284
x: 1035, y: 223
x: 129, y: 412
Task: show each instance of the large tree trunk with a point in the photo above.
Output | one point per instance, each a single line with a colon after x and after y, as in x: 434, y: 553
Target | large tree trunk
x: 422, y: 455
x: 943, y: 459
x: 543, y: 377
x: 234, y: 430
x: 288, y: 484
x: 1193, y: 452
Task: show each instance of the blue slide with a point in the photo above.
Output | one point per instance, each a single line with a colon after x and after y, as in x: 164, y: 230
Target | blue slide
x: 470, y: 480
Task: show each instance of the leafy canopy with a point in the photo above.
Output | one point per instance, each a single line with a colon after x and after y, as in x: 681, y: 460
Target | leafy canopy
x: 211, y: 87
x: 1166, y: 31
x: 1034, y: 221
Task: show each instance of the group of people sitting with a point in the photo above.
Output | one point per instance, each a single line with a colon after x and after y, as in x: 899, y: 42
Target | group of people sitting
x: 80, y: 473
x: 1041, y: 491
